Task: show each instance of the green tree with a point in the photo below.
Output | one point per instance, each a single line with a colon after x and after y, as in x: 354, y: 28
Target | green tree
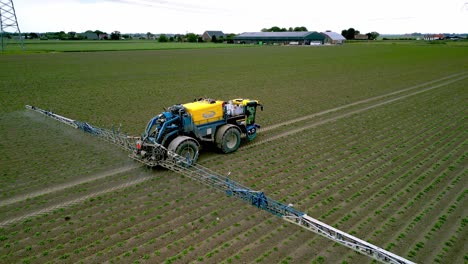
x: 372, y: 35
x: 72, y: 35
x: 230, y: 38
x: 33, y: 35
x: 191, y: 37
x: 115, y: 35
x: 278, y: 29
x: 162, y: 38
x: 126, y: 36
x: 62, y: 35
x: 300, y: 29
x: 349, y: 33
x: 214, y: 39
x: 274, y: 29
x: 98, y: 32
x: 344, y: 32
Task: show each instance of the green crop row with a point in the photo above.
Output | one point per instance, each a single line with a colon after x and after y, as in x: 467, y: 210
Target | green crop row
x: 352, y: 170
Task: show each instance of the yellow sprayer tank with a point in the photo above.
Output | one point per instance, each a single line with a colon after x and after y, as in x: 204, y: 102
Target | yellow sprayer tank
x: 205, y: 111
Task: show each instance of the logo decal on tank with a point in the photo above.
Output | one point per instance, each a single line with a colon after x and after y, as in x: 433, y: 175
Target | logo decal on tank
x: 209, y: 114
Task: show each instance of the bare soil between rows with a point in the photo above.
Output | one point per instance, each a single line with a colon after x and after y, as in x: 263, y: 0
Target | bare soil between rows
x: 246, y: 249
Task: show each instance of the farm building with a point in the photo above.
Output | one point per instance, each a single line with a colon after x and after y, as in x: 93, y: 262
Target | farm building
x: 361, y: 37
x: 299, y: 38
x: 208, y: 35
x: 434, y: 36
x: 90, y: 35
x: 333, y: 37
x: 103, y: 36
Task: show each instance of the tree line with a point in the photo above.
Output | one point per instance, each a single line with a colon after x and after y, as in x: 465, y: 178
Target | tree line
x: 351, y: 33
x: 278, y: 29
x: 117, y: 35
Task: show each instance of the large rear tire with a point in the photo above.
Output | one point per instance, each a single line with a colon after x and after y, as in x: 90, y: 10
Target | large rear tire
x: 228, y: 138
x: 186, y: 147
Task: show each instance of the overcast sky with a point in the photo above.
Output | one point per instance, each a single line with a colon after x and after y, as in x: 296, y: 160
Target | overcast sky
x: 237, y: 16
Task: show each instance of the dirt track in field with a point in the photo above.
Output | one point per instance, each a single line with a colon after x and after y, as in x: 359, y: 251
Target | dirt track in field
x: 308, y: 123
x: 74, y: 201
x: 60, y: 187
x: 300, y: 119
x: 451, y: 79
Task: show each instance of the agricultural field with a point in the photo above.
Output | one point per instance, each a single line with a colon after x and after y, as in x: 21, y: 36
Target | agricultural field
x: 41, y: 46
x: 370, y: 139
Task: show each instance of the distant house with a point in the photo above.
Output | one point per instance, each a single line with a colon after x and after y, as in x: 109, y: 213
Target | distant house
x: 208, y: 35
x: 103, y: 36
x: 454, y: 37
x: 139, y: 36
x: 333, y: 37
x: 361, y: 37
x: 170, y: 36
x: 434, y: 36
x: 90, y: 36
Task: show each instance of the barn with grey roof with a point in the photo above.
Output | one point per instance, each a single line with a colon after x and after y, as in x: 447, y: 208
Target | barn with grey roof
x: 298, y: 38
x: 209, y: 34
x: 333, y: 37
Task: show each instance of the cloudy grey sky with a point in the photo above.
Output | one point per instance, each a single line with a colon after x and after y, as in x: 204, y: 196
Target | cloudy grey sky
x: 182, y: 16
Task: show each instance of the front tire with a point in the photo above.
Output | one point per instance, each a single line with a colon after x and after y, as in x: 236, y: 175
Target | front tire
x: 228, y: 138
x: 185, y: 147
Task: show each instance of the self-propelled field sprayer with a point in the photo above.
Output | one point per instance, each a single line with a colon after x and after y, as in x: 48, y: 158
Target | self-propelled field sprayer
x: 173, y: 138
x: 182, y: 127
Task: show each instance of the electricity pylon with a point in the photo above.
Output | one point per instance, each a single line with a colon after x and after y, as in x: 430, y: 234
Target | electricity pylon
x: 8, y: 21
